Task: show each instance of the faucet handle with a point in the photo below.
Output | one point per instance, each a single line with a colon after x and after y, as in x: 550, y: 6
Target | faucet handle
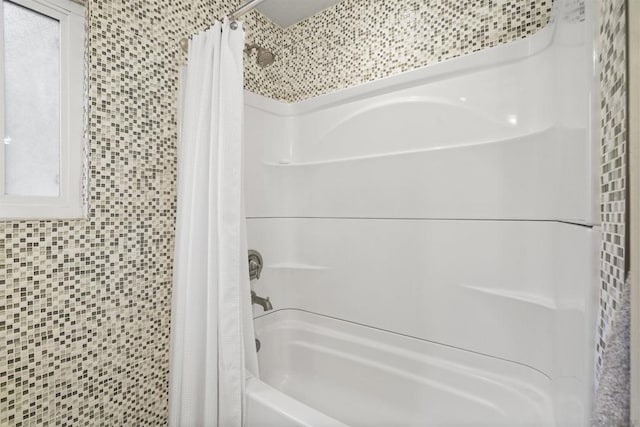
x: 254, y: 269
x: 255, y: 264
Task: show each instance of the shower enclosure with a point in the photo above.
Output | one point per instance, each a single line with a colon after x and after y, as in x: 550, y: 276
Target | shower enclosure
x: 430, y: 241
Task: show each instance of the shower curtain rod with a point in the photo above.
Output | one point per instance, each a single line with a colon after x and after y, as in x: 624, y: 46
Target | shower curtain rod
x: 240, y: 10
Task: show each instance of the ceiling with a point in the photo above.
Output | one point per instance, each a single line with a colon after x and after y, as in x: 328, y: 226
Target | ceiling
x: 289, y: 12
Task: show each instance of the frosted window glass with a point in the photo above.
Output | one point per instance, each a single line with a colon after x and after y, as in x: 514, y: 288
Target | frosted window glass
x: 32, y: 102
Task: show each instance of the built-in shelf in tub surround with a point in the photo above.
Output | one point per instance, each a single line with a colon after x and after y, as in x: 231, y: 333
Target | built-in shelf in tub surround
x: 294, y: 266
x: 533, y: 177
x: 523, y: 297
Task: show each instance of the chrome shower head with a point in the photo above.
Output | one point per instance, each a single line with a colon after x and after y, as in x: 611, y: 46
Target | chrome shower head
x: 264, y: 57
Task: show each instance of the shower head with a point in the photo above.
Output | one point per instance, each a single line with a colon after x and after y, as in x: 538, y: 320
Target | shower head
x: 264, y: 57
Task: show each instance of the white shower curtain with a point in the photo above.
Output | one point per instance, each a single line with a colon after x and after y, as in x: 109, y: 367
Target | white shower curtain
x: 212, y: 340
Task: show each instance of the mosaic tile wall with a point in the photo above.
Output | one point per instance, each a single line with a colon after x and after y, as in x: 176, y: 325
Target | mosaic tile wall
x: 85, y: 304
x: 613, y: 62
x: 357, y: 41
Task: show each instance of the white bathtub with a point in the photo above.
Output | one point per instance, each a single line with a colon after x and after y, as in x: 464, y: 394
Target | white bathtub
x: 269, y: 407
x: 318, y: 371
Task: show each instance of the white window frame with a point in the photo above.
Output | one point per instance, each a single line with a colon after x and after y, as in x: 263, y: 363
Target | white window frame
x: 70, y: 202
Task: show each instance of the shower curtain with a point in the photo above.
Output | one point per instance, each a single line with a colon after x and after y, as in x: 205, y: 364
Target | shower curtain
x: 212, y: 341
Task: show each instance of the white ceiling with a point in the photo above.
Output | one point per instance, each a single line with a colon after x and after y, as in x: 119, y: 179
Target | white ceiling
x: 288, y: 12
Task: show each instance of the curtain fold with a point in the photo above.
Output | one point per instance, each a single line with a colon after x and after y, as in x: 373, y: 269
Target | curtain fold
x: 211, y: 297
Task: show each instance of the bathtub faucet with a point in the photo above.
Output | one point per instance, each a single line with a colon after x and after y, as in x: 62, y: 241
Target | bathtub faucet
x: 264, y: 302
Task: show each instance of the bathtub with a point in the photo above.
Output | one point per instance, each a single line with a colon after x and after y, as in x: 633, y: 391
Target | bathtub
x: 268, y: 407
x: 320, y: 371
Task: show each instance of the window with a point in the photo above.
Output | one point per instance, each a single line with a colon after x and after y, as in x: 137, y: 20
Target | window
x: 41, y: 109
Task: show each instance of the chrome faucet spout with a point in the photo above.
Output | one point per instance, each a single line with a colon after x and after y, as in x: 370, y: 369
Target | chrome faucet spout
x: 264, y: 302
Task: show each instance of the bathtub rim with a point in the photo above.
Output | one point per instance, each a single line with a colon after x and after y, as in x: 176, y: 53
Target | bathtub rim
x: 263, y: 397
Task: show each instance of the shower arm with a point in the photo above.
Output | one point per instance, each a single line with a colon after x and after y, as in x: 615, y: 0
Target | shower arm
x: 249, y: 47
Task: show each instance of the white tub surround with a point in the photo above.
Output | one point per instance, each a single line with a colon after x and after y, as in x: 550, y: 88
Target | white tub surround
x: 430, y: 239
